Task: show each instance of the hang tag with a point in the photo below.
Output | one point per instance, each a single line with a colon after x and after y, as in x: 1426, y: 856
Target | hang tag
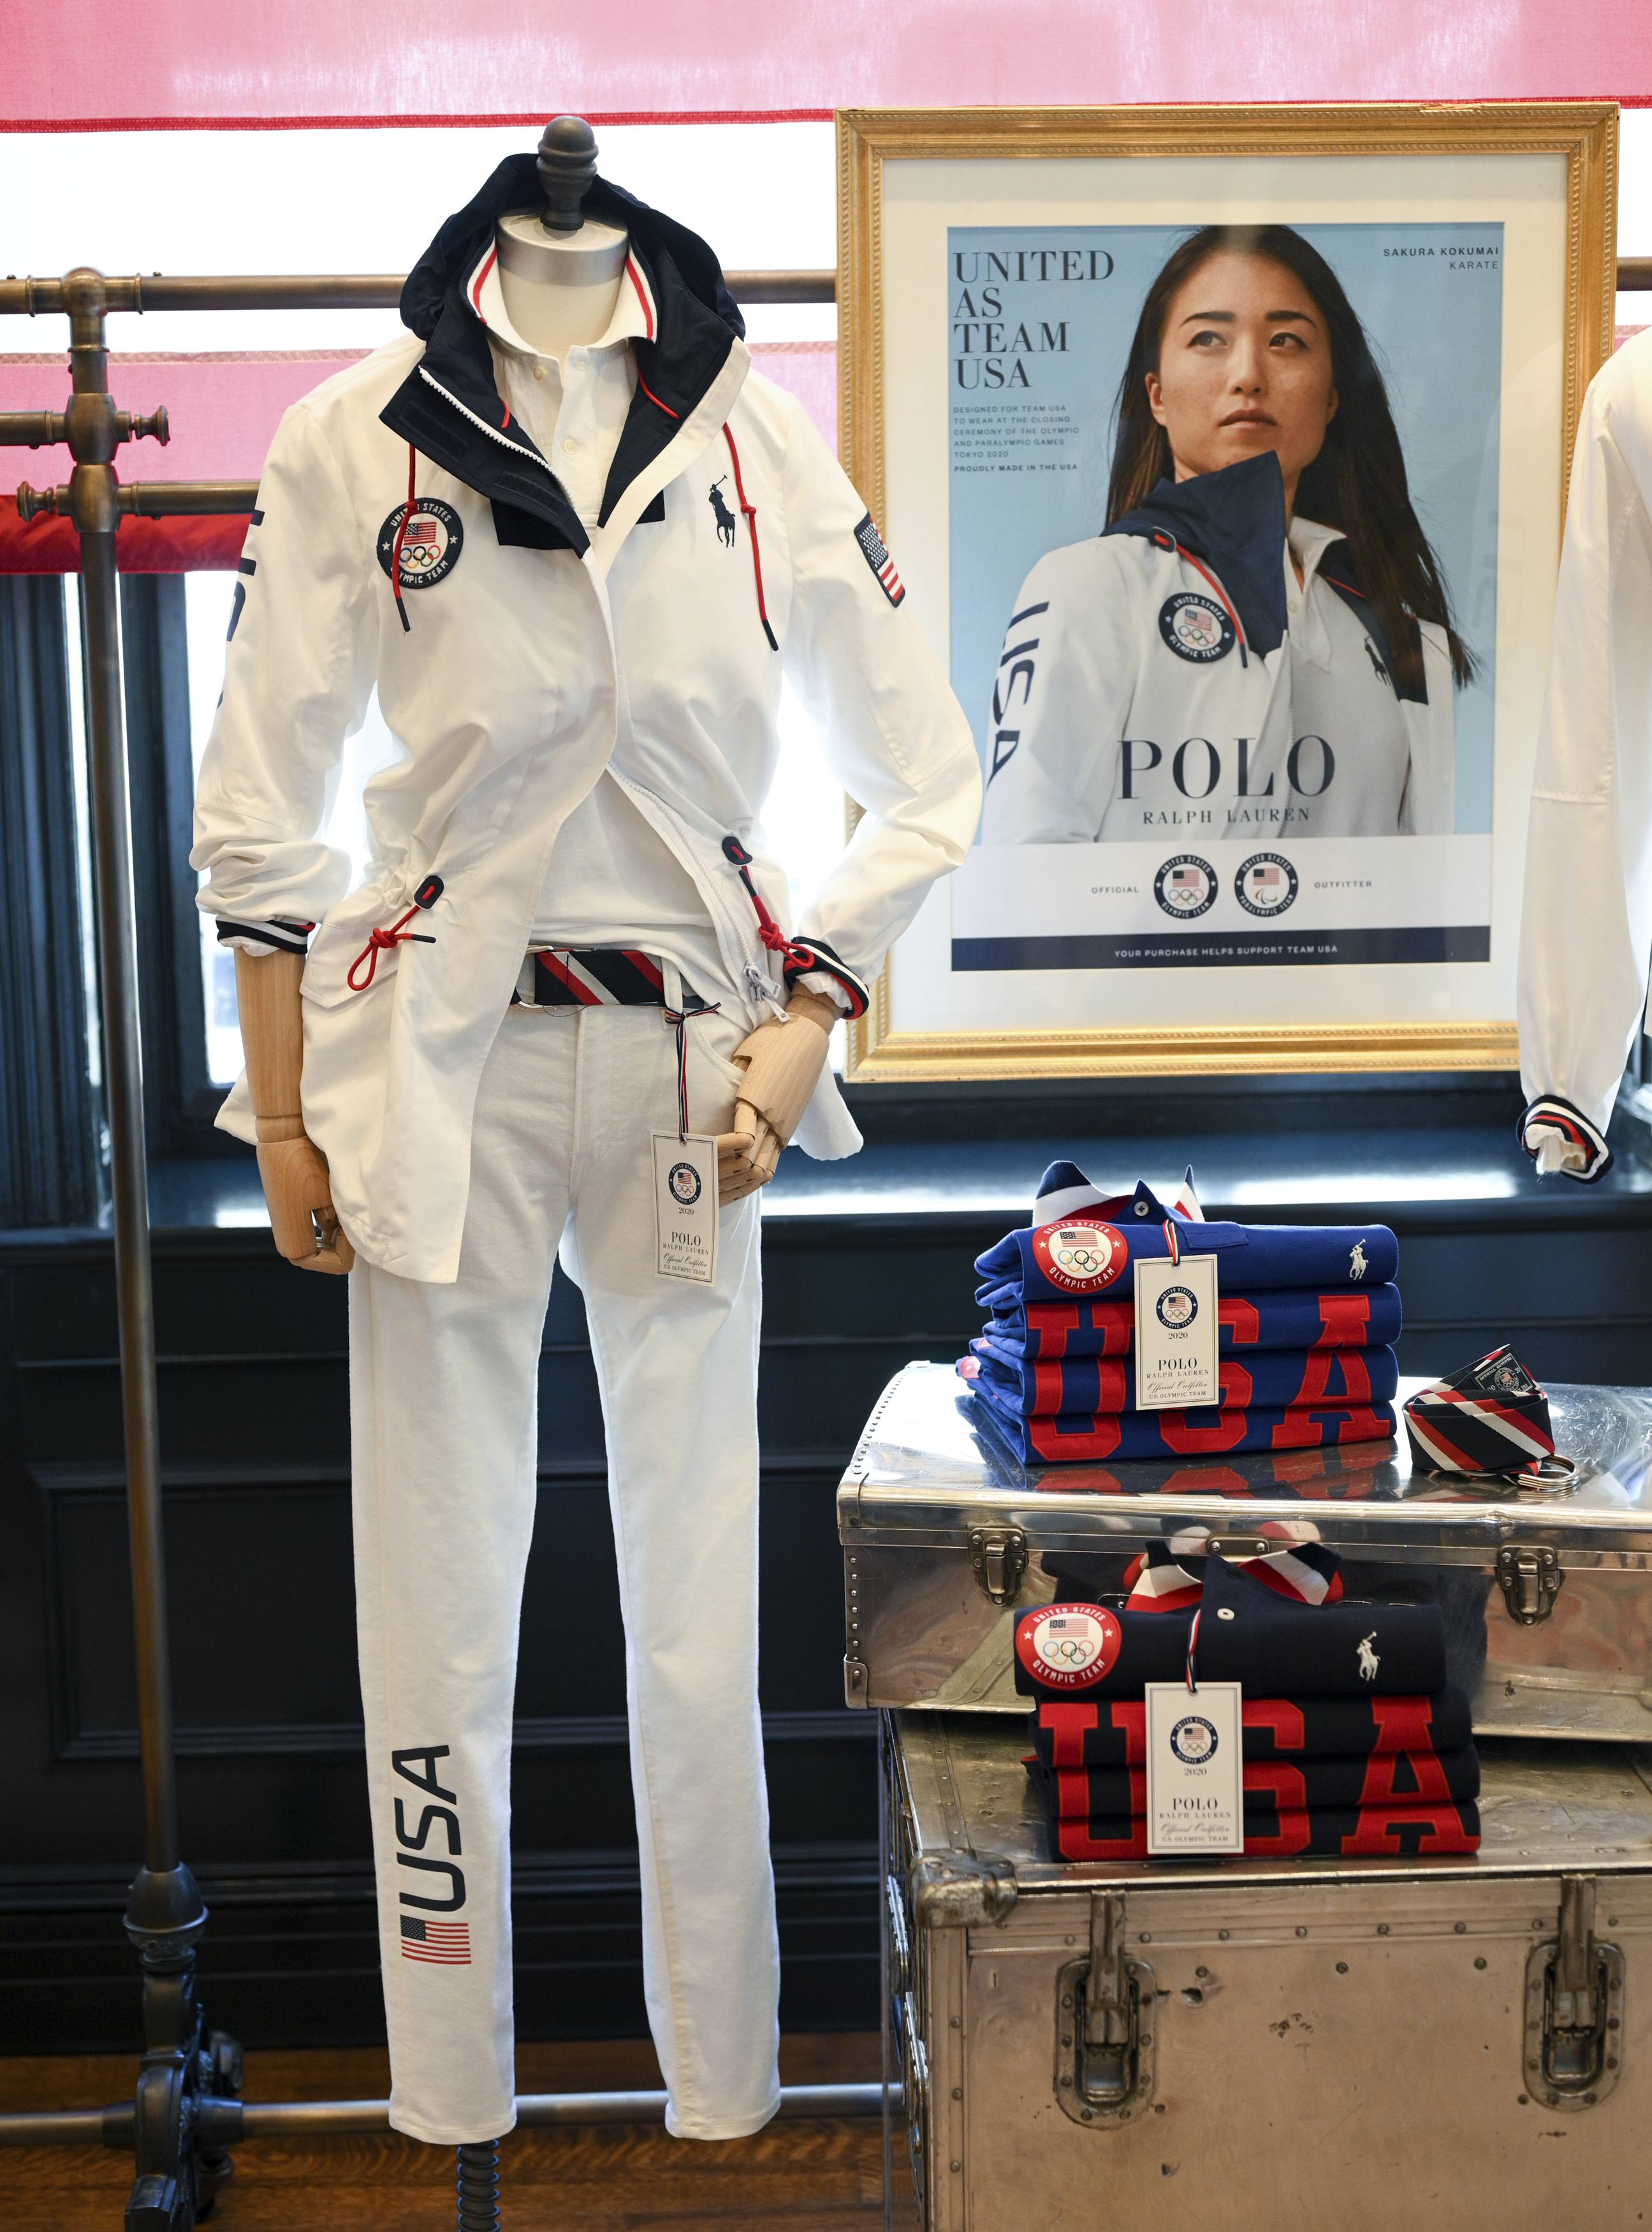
x: 685, y: 1206
x: 1195, y: 1801
x: 1176, y: 1333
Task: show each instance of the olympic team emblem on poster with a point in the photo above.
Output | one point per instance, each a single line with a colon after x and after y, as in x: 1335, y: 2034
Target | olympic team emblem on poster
x: 1186, y: 886
x: 430, y: 547
x: 1081, y: 1256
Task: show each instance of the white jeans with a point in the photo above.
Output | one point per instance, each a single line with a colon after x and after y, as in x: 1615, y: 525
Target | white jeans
x: 443, y: 1386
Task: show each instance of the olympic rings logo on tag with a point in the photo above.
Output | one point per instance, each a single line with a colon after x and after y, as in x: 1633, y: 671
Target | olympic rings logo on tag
x: 1068, y: 1647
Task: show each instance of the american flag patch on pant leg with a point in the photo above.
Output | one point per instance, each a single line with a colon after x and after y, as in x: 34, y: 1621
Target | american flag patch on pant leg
x: 446, y: 1943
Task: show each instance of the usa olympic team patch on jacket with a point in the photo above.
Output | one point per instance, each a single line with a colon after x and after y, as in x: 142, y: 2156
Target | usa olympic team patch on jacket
x: 430, y: 547
x: 1195, y: 627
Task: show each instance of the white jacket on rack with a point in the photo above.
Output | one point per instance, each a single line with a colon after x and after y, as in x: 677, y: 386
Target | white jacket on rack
x: 522, y: 658
x: 1586, y: 928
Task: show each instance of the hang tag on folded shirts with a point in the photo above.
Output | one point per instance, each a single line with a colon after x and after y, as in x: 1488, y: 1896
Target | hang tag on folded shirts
x: 1176, y: 1333
x: 685, y: 1206
x: 1195, y: 1794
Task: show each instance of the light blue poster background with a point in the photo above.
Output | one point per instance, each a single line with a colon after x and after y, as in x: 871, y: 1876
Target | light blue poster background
x: 1031, y: 448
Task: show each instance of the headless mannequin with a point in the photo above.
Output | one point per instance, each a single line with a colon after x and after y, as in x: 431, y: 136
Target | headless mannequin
x: 561, y: 277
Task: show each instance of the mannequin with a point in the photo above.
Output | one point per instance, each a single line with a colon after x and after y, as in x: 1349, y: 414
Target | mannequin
x: 560, y: 276
x: 627, y: 540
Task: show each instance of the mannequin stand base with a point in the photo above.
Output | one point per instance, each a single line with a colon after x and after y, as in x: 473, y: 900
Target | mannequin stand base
x: 479, y: 2187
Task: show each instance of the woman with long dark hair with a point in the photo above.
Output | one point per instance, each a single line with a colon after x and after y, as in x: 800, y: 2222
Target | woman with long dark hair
x: 1259, y: 642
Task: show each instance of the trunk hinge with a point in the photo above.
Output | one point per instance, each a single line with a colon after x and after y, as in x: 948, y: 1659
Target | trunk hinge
x: 1104, y: 2024
x: 1574, y: 2007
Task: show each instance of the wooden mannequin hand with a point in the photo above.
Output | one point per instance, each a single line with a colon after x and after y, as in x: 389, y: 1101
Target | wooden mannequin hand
x: 782, y: 1062
x: 302, y: 1220
x: 291, y: 1167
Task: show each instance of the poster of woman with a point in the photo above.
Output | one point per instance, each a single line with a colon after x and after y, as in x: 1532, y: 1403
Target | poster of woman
x: 1223, y: 454
x: 1254, y: 640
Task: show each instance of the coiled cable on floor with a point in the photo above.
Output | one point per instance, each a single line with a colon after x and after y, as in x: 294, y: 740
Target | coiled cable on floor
x: 479, y: 2187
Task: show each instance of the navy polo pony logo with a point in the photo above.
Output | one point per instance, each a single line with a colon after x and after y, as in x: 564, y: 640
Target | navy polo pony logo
x: 725, y: 518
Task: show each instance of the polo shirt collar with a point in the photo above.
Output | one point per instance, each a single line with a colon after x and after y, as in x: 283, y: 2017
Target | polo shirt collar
x: 636, y: 317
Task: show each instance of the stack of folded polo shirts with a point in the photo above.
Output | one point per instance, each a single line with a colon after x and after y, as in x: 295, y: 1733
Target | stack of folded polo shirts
x: 1307, y: 1316
x: 1355, y: 1745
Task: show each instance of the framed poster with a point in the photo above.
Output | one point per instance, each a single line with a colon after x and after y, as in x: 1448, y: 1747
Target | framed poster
x: 1223, y: 454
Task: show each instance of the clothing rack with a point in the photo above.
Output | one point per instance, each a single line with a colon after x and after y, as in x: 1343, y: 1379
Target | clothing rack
x: 187, y: 2112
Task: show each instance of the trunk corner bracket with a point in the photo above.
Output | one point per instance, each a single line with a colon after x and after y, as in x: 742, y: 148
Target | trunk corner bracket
x: 961, y: 1892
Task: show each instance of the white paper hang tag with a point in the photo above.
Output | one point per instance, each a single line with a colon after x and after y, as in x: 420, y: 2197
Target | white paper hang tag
x: 1195, y: 1794
x: 1176, y: 1333
x: 685, y: 1206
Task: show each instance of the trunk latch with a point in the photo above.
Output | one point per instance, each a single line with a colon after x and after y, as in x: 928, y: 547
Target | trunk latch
x: 1530, y: 1578
x: 1574, y: 2007
x: 1104, y: 2024
x: 999, y: 1557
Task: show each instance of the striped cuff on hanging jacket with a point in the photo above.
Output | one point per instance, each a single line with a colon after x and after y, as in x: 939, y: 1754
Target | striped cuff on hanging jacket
x: 1558, y: 1136
x: 812, y: 957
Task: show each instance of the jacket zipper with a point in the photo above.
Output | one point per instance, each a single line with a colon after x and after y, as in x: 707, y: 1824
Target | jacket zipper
x: 504, y: 440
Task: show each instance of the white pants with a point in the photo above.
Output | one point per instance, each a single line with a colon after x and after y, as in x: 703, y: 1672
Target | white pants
x: 444, y: 1385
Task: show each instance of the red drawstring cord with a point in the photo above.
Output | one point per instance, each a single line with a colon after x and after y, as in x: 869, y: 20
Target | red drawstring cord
x: 750, y: 511
x: 380, y: 941
x: 768, y: 929
x: 408, y: 510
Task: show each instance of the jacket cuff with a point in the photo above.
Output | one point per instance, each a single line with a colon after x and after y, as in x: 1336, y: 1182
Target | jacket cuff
x: 278, y: 935
x: 1558, y: 1136
x: 812, y: 963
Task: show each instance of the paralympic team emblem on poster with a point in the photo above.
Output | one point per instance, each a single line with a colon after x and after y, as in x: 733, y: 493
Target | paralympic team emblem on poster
x: 684, y: 1183
x: 1265, y: 883
x: 1195, y: 627
x: 1186, y: 886
x: 430, y: 547
x: 1079, y: 1255
x: 1069, y: 1646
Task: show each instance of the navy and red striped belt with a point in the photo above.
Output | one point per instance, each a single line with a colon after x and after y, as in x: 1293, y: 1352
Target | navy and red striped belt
x: 602, y: 977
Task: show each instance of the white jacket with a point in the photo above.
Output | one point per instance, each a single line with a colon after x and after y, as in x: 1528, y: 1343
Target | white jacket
x: 1586, y: 926
x: 531, y: 657
x: 1171, y: 678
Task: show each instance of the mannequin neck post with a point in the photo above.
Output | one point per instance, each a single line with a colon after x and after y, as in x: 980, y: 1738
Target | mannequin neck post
x: 559, y: 289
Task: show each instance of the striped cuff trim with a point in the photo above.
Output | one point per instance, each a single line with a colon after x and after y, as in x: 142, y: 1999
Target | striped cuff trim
x: 276, y: 936
x: 1558, y: 1136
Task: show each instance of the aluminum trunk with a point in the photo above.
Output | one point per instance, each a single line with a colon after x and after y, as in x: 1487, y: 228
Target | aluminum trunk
x: 1248, y: 2045
x: 1547, y: 1599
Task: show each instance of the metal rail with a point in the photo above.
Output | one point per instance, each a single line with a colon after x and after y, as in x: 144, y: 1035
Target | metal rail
x: 223, y: 2122
x: 380, y: 290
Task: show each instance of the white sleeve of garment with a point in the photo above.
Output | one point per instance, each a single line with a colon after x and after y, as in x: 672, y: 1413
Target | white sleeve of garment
x: 299, y: 670
x: 894, y: 734
x: 1064, y: 685
x: 1586, y: 924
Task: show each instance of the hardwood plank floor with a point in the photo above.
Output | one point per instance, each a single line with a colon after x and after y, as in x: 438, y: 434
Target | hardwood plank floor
x: 803, y: 2176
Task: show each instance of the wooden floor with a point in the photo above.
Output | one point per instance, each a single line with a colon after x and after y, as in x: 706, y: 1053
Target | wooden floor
x: 797, y: 2176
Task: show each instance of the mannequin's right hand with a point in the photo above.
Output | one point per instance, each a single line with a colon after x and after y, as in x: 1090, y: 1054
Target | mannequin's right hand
x: 302, y: 1220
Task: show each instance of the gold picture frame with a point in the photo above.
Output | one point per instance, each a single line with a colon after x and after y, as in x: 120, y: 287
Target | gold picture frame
x: 1582, y: 134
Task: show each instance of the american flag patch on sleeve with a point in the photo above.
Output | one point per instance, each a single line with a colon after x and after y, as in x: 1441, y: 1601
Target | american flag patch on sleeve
x: 872, y: 546
x: 446, y: 1943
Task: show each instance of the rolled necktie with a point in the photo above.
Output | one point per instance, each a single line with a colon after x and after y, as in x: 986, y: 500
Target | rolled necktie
x: 1492, y: 1416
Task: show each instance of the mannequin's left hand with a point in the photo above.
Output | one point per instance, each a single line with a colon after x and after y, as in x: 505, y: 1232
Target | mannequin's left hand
x: 782, y: 1062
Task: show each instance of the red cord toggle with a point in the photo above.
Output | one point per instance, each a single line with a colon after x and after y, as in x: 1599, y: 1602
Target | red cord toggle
x: 750, y: 510
x: 768, y: 929
x: 380, y: 941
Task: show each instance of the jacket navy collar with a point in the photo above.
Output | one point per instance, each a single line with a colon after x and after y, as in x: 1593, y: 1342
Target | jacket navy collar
x: 448, y: 407
x: 1233, y: 521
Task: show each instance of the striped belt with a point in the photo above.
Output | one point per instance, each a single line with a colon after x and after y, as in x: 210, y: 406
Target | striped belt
x: 602, y: 976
